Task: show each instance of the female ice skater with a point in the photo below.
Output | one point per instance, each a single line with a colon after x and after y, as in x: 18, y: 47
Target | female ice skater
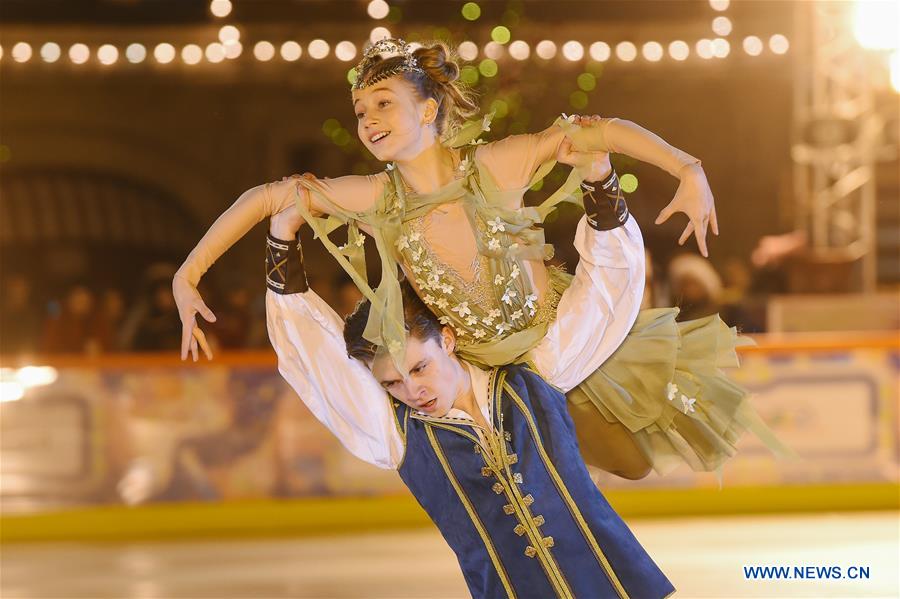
x: 447, y: 212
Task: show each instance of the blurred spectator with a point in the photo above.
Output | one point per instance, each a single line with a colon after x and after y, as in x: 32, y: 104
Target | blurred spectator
x: 160, y: 328
x: 20, y: 317
x: 108, y: 319
x: 72, y: 330
x: 232, y: 324
x: 695, y: 286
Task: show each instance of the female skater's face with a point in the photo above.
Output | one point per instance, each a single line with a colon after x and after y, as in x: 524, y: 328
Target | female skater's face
x: 392, y: 122
x: 434, y: 376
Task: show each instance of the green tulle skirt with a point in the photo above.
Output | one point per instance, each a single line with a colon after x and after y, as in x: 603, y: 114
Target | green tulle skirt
x: 665, y: 384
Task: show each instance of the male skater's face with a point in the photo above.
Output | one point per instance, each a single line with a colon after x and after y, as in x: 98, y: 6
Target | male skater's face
x: 434, y: 376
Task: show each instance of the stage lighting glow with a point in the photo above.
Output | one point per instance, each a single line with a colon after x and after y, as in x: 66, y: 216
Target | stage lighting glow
x: 704, y: 48
x: 487, y: 67
x: 51, y: 52
x: 318, y: 49
x: 233, y: 50
x: 628, y: 183
x: 36, y: 376
x: 471, y: 11
x: 876, y: 24
x: 107, y: 54
x: 721, y: 25
x: 493, y: 50
x: 378, y: 33
x: 378, y: 9
x: 469, y: 75
x: 135, y: 53
x: 468, y: 50
x: 1, y: 52
x: 519, y: 50
x: 578, y: 100
x: 263, y: 51
x: 573, y: 50
x: 215, y: 52
x: 345, y: 51
x: 191, y: 54
x: 545, y: 49
x: 220, y: 8
x: 626, y: 51
x: 11, y: 391
x: 753, y: 45
x: 779, y: 44
x: 163, y: 53
x: 679, y: 50
x: 719, y: 5
x: 600, y: 51
x: 500, y: 34
x: 228, y: 34
x: 720, y: 47
x: 21, y: 52
x: 652, y: 51
x: 291, y: 51
x: 894, y: 62
x: 80, y: 53
x: 500, y: 108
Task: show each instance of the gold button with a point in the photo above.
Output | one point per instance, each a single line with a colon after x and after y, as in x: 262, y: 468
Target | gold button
x: 548, y: 541
x: 519, y: 530
x: 538, y: 520
x: 530, y: 551
x: 497, y: 488
x: 485, y: 471
x: 508, y: 509
x: 528, y: 499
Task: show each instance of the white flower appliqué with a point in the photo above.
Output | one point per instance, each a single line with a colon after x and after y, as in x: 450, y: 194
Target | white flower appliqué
x: 671, y: 391
x: 688, y: 403
x: 496, y: 225
x: 462, y: 309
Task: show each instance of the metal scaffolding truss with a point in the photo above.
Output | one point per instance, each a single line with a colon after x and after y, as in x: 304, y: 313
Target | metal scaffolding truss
x: 838, y: 136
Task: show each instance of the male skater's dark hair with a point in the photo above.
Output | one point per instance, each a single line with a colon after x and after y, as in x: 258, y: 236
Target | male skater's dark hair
x: 420, y: 322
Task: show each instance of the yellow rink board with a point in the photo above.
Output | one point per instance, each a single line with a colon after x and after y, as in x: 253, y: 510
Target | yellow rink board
x: 329, y: 516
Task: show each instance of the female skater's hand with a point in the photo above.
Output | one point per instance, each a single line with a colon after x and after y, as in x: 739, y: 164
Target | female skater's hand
x: 695, y: 199
x: 189, y: 303
x: 594, y: 165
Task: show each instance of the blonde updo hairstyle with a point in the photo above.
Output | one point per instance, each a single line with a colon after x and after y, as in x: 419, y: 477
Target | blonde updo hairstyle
x: 440, y: 80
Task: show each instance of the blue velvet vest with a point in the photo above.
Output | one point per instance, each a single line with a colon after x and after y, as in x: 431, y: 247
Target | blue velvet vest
x: 518, y: 507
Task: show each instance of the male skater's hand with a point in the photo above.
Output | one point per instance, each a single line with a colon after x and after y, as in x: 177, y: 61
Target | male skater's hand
x: 695, y: 199
x: 189, y: 303
x: 595, y: 166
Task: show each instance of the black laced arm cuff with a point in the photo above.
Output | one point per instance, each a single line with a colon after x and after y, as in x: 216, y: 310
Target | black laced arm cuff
x: 604, y: 204
x: 284, y: 266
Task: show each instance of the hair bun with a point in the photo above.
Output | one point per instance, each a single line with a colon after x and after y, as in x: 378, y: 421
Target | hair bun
x: 437, y: 62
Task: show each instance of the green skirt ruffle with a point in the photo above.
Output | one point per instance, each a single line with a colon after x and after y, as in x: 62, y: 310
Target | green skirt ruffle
x: 665, y: 385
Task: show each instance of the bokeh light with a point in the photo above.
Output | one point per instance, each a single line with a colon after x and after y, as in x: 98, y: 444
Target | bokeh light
x: 720, y: 47
x: 500, y: 108
x: 345, y: 51
x: 291, y: 51
x: 220, y: 8
x: 779, y: 44
x: 704, y: 48
x: 107, y: 54
x: 191, y: 54
x: 379, y: 33
x: 135, y: 53
x: 545, y: 49
x: 578, y: 100
x: 719, y: 5
x: 36, y: 376
x: 493, y: 50
x: 600, y: 51
x: 894, y: 62
x: 626, y: 51
x: 500, y: 34
x: 215, y: 52
x: 471, y: 11
x: 263, y: 51
x: 519, y: 50
x: 628, y: 183
x: 80, y: 53
x: 469, y: 75
x: 587, y: 81
x: 573, y: 50
x: 229, y: 33
x: 378, y: 9
x: 753, y: 45
x: 721, y: 25
x: 233, y: 50
x: 318, y: 49
x: 487, y: 67
x: 652, y: 51
x: 468, y: 51
x: 50, y: 52
x: 679, y: 50
x: 163, y: 53
x: 21, y: 52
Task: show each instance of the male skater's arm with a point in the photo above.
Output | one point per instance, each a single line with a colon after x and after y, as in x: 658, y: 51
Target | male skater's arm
x: 594, y: 316
x: 312, y: 357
